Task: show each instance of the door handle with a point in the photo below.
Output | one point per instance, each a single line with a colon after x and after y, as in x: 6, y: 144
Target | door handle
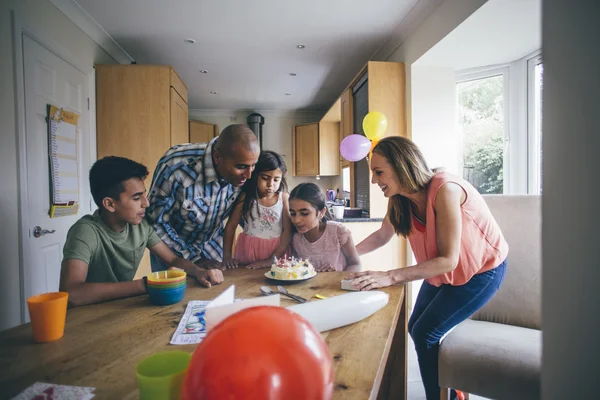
x: 38, y: 231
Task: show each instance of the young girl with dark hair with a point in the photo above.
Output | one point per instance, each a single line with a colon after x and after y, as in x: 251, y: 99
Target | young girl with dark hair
x: 327, y: 244
x: 263, y: 212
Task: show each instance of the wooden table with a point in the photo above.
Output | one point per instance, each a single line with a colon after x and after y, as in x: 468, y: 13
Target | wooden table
x: 104, y: 342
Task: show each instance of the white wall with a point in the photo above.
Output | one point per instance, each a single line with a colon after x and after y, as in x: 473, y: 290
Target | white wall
x: 440, y: 22
x: 47, y: 24
x: 571, y: 217
x: 434, y: 116
x: 443, y: 20
x: 277, y: 134
x: 499, y: 32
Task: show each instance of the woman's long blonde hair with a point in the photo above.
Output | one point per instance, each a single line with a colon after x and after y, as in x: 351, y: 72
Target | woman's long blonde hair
x: 412, y: 173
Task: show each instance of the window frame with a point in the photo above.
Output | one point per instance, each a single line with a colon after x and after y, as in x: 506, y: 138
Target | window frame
x: 521, y: 147
x: 533, y: 143
x: 489, y: 72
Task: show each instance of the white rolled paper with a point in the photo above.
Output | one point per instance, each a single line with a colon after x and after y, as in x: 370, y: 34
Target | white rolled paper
x: 341, y: 310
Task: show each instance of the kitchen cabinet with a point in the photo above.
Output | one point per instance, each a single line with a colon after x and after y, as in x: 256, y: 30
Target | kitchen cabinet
x: 314, y: 149
x: 202, y: 132
x: 141, y: 111
x: 346, y: 120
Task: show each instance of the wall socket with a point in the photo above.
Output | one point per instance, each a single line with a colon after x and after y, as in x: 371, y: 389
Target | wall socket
x: 233, y: 119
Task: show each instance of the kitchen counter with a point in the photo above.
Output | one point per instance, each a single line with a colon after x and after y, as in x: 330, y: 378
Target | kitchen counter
x: 344, y: 220
x: 391, y: 255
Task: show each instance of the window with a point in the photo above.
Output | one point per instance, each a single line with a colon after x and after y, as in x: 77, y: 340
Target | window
x: 499, y: 122
x: 481, y: 108
x: 346, y: 179
x: 535, y: 80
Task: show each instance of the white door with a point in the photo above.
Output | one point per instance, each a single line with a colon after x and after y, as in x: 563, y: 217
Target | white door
x: 49, y: 80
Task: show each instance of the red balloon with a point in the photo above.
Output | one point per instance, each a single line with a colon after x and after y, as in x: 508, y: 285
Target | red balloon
x: 262, y: 353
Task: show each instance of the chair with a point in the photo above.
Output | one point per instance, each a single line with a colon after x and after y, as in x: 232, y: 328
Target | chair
x: 497, y: 352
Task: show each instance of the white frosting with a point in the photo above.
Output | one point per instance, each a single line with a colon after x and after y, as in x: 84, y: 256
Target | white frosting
x: 291, y: 269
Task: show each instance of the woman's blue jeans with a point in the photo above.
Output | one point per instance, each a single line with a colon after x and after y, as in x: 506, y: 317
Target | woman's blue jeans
x: 439, y: 309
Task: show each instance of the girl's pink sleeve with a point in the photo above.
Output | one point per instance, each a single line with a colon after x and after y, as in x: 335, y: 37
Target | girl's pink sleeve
x: 343, y: 234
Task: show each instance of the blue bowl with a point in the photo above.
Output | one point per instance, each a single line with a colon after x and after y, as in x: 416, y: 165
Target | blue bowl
x: 165, y: 297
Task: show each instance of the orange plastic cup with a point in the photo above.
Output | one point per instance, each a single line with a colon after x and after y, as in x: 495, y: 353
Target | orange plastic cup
x: 48, y: 312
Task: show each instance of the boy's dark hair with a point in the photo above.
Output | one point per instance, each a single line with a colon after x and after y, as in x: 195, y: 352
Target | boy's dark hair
x: 312, y: 194
x: 108, y: 174
x: 267, y: 161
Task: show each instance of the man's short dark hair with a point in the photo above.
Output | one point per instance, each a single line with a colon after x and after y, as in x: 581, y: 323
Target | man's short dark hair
x: 108, y: 174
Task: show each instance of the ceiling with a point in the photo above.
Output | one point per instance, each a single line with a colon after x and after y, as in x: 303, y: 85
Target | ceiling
x: 500, y: 31
x: 249, y: 47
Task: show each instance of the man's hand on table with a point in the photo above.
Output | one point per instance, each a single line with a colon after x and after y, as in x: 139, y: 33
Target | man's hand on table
x: 211, y: 264
x: 204, y: 275
x: 230, y: 263
x: 209, y: 277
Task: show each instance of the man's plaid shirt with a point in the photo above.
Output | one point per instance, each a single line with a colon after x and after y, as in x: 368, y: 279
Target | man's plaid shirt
x: 189, y: 202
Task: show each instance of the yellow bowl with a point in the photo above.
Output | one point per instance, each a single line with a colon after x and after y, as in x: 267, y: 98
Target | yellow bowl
x: 169, y: 276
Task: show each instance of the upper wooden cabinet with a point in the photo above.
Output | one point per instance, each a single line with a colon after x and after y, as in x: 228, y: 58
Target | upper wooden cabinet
x: 179, y: 119
x: 306, y: 150
x: 387, y: 91
x: 314, y: 149
x: 142, y: 111
x: 346, y: 120
x: 201, y: 132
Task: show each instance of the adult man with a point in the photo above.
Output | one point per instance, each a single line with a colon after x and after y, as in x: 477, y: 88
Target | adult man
x: 194, y: 189
x: 103, y: 251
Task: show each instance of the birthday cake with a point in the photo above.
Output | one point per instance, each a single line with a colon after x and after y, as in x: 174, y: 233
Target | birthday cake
x: 291, y: 269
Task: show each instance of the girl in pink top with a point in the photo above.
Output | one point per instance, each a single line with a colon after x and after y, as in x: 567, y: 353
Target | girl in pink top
x: 460, y: 250
x: 263, y: 212
x: 327, y: 244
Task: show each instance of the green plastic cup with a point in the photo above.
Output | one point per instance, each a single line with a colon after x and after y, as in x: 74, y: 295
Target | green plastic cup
x: 160, y: 376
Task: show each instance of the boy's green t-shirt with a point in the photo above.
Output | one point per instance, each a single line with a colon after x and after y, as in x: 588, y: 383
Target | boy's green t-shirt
x: 111, y: 256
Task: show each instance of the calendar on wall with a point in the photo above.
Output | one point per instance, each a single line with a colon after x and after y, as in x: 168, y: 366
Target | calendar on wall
x: 63, y: 158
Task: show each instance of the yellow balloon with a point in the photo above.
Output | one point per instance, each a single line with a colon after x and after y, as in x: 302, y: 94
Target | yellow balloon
x: 374, y: 125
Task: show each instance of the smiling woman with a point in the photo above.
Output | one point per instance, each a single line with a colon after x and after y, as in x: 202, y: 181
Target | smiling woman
x: 460, y: 250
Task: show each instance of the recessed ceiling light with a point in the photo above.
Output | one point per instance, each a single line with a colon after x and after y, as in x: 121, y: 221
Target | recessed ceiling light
x: 300, y: 46
x: 288, y: 94
x: 292, y: 74
x: 203, y: 71
x: 190, y: 41
x: 213, y: 92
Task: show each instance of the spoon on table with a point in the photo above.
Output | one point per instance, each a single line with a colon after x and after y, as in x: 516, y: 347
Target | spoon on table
x: 284, y: 292
x: 267, y: 291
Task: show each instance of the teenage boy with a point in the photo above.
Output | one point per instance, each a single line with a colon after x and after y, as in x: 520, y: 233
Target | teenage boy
x: 103, y: 250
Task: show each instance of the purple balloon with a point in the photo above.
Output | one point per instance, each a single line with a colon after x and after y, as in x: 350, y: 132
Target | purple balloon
x: 355, y: 147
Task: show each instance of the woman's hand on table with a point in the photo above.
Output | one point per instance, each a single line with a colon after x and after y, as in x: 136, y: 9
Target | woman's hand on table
x: 325, y: 268
x: 209, y: 277
x: 260, y: 264
x: 368, y: 280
